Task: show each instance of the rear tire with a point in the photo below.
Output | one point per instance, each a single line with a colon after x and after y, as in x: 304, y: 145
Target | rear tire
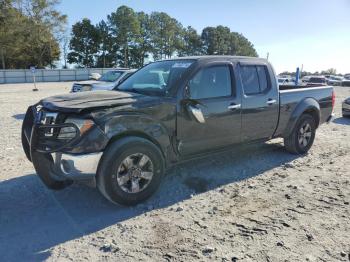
x: 122, y: 178
x: 302, y: 137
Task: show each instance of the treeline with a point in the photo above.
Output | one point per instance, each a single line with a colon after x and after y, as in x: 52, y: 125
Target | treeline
x: 330, y: 71
x: 34, y: 33
x: 126, y: 38
x: 30, y: 32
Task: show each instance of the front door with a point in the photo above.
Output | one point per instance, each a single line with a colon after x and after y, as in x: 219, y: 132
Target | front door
x: 211, y: 113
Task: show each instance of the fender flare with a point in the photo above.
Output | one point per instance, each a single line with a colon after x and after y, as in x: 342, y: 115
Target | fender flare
x: 307, y: 105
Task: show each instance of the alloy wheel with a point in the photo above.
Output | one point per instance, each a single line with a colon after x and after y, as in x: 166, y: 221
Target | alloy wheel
x: 135, y: 173
x: 304, y: 135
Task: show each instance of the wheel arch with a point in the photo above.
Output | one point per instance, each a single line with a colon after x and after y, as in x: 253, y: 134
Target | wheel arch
x: 306, y: 106
x: 136, y: 133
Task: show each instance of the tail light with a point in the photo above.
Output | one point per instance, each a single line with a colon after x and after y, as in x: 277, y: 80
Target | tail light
x: 333, y: 100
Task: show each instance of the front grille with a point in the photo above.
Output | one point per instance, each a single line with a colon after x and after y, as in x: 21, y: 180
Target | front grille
x: 51, y: 132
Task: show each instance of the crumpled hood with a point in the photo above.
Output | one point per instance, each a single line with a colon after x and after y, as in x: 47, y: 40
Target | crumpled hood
x: 77, y: 102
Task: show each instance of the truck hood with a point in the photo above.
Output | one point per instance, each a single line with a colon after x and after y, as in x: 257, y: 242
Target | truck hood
x: 77, y: 102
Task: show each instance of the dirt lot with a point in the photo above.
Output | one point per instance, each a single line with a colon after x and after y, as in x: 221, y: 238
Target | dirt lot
x: 255, y: 204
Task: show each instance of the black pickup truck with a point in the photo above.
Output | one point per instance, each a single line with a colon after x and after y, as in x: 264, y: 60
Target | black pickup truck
x: 167, y: 112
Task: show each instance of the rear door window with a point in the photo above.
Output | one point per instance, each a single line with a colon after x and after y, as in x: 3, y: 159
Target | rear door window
x: 254, y: 79
x: 250, y: 80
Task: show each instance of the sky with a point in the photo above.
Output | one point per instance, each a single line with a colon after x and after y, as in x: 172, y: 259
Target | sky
x: 314, y: 34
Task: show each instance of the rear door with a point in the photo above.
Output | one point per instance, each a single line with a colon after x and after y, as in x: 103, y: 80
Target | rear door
x: 210, y: 115
x: 260, y: 105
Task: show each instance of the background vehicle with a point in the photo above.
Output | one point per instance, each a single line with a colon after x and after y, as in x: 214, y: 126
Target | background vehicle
x: 317, y: 81
x: 334, y: 80
x: 346, y: 107
x: 284, y: 79
x: 346, y: 81
x: 305, y: 79
x: 167, y: 112
x: 95, y: 76
x: 107, y: 81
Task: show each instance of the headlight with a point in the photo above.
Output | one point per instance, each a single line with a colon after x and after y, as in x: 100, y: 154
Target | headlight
x: 69, y: 132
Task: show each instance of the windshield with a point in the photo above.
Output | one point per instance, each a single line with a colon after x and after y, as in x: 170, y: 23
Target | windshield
x: 111, y: 76
x: 156, y: 78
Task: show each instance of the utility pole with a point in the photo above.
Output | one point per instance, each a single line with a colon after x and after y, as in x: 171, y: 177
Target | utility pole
x: 267, y: 55
x: 302, y: 68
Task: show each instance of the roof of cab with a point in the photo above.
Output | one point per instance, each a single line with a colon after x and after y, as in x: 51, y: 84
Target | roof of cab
x: 221, y: 57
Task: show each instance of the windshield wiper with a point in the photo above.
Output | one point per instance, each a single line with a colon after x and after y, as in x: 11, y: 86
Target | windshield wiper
x: 145, y: 91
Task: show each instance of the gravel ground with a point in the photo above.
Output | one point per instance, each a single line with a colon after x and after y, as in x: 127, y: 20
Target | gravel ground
x: 261, y: 204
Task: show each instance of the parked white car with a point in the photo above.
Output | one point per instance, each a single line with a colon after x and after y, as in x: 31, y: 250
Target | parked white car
x: 334, y: 80
x: 107, y: 81
x: 95, y: 76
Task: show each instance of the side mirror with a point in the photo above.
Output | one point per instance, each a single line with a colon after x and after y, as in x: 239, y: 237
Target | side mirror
x: 196, y: 113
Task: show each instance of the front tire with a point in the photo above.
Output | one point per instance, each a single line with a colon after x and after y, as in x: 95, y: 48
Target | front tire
x: 130, y: 170
x: 302, y: 137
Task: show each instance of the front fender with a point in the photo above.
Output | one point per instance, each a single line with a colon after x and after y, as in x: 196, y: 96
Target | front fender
x: 309, y: 105
x: 143, y: 125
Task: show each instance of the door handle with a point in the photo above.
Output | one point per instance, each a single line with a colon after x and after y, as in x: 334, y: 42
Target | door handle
x: 271, y: 101
x: 234, y: 106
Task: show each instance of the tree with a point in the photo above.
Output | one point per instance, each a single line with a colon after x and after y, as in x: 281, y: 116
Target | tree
x: 166, y: 35
x: 84, y: 43
x: 330, y: 71
x: 65, y: 45
x: 241, y: 45
x: 46, y: 25
x: 28, y: 33
x: 221, y: 41
x: 125, y: 27
x: 191, y: 43
x: 107, y: 46
x: 143, y: 46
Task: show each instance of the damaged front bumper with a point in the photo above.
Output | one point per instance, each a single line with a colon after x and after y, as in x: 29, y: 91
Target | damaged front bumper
x: 77, y: 167
x: 57, y: 149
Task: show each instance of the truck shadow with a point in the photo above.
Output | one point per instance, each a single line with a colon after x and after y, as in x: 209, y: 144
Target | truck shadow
x: 342, y: 121
x: 34, y: 219
x: 19, y: 116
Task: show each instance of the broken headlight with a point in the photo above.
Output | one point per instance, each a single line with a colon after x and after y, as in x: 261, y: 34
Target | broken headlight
x: 70, y: 132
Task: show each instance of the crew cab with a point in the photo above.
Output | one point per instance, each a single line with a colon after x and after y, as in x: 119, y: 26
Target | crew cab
x: 167, y: 112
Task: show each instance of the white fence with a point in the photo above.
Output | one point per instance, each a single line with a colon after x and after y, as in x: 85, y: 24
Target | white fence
x: 48, y: 75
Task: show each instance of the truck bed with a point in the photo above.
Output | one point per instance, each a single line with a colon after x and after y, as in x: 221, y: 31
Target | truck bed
x: 293, y: 95
x: 288, y: 87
